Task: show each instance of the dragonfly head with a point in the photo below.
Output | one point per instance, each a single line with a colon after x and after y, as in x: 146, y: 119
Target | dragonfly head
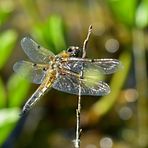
x: 73, y: 51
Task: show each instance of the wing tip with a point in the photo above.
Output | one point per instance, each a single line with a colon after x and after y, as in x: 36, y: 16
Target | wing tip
x: 120, y: 65
x: 108, y: 92
x: 26, y: 40
x: 107, y: 88
x: 17, y: 65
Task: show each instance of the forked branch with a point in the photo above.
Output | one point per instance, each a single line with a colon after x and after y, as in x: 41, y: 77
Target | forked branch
x: 86, y: 41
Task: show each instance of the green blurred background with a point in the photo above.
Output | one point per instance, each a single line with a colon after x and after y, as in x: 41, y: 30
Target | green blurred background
x: 120, y: 30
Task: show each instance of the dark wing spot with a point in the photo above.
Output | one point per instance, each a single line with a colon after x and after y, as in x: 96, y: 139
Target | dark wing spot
x: 45, y: 69
x: 34, y: 64
x: 92, y: 60
x: 39, y: 46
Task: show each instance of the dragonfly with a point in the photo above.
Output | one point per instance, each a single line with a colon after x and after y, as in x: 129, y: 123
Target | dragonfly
x: 62, y: 71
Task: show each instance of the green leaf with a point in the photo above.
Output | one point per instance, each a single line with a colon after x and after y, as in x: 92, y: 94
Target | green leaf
x: 7, y: 42
x: 2, y: 94
x: 17, y: 90
x: 142, y: 14
x: 8, y: 119
x: 56, y: 32
x: 3, y: 16
x: 51, y: 34
x: 124, y: 10
x: 6, y: 8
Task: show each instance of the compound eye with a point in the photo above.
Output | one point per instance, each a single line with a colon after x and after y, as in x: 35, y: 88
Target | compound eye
x: 69, y: 49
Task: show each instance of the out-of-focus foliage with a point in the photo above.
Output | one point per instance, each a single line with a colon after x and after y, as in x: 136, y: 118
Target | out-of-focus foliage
x: 136, y: 14
x: 17, y: 89
x: 2, y: 94
x: 51, y: 33
x: 8, y: 37
x: 8, y: 119
x: 7, y: 40
x: 6, y: 8
x: 119, y: 31
x: 142, y: 14
x: 124, y: 10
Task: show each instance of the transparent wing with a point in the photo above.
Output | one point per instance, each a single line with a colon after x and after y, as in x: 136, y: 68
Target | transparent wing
x: 105, y: 66
x: 33, y: 72
x: 70, y: 84
x: 34, y: 51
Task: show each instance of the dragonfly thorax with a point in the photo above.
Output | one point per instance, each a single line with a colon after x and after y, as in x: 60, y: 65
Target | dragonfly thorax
x: 56, y: 63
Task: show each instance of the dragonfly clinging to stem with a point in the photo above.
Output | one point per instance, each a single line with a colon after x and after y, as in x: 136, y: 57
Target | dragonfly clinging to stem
x: 62, y: 71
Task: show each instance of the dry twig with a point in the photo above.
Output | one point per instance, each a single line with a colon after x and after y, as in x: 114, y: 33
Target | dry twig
x: 78, y: 110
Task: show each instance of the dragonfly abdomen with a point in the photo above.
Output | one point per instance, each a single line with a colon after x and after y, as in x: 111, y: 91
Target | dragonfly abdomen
x: 34, y: 98
x: 43, y: 88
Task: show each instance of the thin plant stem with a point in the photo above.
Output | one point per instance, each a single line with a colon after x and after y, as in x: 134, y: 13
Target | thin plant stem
x: 78, y: 110
x: 139, y: 51
x: 86, y: 41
